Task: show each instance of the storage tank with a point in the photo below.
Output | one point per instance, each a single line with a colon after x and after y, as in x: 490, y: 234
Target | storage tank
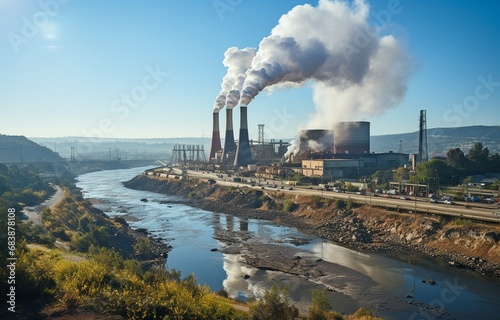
x: 352, y: 137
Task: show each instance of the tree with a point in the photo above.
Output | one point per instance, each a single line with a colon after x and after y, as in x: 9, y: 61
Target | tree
x: 456, y: 159
x: 494, y: 162
x: 478, y: 156
x: 299, y: 177
x: 274, y: 306
x: 382, y: 176
x: 401, y: 174
x: 433, y: 172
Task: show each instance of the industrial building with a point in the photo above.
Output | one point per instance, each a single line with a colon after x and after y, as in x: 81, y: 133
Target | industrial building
x: 351, y: 157
x: 345, y: 167
x: 341, y: 153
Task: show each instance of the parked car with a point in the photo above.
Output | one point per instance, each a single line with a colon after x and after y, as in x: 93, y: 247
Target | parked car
x: 404, y: 198
x: 472, y: 199
x: 489, y: 200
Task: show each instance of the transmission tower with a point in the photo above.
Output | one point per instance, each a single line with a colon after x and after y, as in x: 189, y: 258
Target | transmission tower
x: 423, y: 154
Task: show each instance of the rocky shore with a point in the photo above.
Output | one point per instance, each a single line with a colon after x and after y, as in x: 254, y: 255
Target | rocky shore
x: 462, y: 244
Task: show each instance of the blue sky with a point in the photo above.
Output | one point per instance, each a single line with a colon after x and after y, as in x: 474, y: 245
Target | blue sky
x: 69, y: 75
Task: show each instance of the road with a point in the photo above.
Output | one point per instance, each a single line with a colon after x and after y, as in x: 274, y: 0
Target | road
x: 33, y: 213
x: 476, y: 211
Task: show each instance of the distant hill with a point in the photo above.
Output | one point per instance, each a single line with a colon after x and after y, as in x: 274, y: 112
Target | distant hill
x: 19, y: 149
x: 114, y: 148
x: 440, y: 140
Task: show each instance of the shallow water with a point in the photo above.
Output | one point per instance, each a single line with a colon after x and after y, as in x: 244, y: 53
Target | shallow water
x: 462, y: 295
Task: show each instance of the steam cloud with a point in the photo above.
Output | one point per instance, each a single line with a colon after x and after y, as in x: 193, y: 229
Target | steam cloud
x: 237, y: 61
x: 355, y: 71
x: 352, y: 67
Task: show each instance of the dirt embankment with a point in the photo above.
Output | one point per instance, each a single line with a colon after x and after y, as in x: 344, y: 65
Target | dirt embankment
x: 460, y: 242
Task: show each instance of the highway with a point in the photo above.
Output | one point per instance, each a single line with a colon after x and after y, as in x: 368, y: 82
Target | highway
x: 477, y: 211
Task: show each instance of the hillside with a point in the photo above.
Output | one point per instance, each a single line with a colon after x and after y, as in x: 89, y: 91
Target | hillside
x: 440, y: 140
x: 113, y: 148
x: 19, y: 149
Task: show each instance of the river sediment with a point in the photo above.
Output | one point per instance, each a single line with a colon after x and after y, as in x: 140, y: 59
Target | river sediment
x: 472, y: 246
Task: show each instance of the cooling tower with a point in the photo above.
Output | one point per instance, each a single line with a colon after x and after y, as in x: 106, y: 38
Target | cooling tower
x: 229, y: 145
x: 314, y: 141
x: 215, y: 138
x: 243, y: 154
x: 352, y: 137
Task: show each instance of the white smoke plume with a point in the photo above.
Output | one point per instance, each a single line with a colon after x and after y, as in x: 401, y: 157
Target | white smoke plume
x: 237, y: 61
x: 354, y: 70
x: 315, y: 145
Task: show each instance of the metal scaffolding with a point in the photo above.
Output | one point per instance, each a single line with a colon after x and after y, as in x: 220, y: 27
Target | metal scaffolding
x: 183, y: 153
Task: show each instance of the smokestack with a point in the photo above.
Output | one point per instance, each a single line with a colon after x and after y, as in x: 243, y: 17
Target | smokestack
x: 243, y: 154
x: 229, y: 145
x: 215, y: 138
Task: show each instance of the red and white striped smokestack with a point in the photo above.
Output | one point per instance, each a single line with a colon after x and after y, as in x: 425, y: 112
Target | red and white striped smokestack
x: 216, y: 146
x: 229, y: 145
x: 243, y: 154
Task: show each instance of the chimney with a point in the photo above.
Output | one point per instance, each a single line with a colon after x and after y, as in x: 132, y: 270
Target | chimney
x: 243, y: 154
x: 215, y: 138
x: 229, y: 145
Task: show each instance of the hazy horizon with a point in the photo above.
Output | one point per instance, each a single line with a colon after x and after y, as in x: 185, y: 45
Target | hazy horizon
x: 141, y: 70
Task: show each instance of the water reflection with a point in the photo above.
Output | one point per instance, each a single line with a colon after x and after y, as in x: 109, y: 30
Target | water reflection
x: 192, y: 232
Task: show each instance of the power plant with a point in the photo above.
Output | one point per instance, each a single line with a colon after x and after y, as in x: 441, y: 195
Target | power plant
x: 341, y: 153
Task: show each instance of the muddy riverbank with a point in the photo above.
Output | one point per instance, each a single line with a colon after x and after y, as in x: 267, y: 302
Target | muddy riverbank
x: 463, y: 244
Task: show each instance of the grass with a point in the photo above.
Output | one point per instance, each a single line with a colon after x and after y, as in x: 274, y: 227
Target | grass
x: 461, y: 222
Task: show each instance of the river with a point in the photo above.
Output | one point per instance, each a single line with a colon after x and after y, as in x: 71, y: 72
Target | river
x: 388, y: 281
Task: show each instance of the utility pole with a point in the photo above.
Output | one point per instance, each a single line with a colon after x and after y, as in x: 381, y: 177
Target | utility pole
x: 467, y: 195
x: 416, y: 195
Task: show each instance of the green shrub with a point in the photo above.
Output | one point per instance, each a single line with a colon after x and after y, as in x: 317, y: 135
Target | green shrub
x: 143, y: 246
x: 320, y: 306
x: 320, y: 299
x: 192, y: 194
x: 317, y: 201
x: 350, y: 204
x: 340, y: 204
x: 461, y: 222
x: 289, y: 205
x: 274, y: 306
x: 363, y: 313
